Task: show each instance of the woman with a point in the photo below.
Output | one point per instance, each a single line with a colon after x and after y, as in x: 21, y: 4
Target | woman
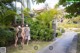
x: 16, y: 37
x: 27, y: 34
x: 22, y: 35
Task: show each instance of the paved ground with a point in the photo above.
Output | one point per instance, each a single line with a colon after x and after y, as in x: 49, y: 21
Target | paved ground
x: 65, y: 44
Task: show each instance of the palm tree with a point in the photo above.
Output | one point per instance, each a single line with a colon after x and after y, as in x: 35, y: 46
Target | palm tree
x: 16, y: 11
x: 7, y: 12
x: 28, y: 6
x: 22, y: 14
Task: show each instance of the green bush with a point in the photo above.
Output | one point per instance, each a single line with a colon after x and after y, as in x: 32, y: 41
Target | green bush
x: 58, y: 33
x: 6, y: 36
x: 39, y: 31
x: 41, y: 25
x: 61, y: 29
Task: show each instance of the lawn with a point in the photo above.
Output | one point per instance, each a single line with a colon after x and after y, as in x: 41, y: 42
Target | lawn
x: 28, y: 48
x: 65, y: 25
x: 68, y: 23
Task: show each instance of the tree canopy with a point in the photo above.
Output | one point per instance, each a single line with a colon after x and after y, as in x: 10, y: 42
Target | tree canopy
x: 73, y: 8
x: 8, y: 11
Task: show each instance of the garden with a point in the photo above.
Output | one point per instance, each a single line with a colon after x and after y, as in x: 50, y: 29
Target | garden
x: 40, y: 22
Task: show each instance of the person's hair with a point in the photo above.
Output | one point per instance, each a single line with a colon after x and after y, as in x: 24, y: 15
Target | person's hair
x: 22, y: 25
x: 15, y: 25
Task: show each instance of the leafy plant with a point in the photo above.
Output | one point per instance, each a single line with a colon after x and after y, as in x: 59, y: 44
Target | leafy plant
x: 41, y: 25
x: 6, y: 36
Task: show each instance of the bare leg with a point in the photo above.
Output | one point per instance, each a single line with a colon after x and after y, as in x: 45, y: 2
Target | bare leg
x: 27, y: 42
x: 28, y: 38
x: 22, y: 42
x: 16, y: 40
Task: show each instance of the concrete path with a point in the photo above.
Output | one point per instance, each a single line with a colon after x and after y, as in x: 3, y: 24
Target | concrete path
x: 65, y: 44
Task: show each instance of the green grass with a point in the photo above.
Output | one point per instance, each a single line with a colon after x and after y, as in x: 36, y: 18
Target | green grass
x: 78, y: 30
x: 28, y: 48
x: 68, y: 23
x: 63, y: 25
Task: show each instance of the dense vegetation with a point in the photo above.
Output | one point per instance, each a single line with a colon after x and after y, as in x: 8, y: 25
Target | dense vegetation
x: 40, y: 24
x: 7, y: 36
x: 73, y: 8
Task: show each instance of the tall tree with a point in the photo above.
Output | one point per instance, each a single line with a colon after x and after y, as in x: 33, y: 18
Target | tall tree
x: 28, y: 6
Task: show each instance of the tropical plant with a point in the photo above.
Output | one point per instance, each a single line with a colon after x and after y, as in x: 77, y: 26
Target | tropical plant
x: 7, y: 18
x: 7, y: 12
x: 41, y: 25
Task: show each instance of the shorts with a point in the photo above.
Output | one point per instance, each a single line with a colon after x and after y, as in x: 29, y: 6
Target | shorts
x: 27, y: 37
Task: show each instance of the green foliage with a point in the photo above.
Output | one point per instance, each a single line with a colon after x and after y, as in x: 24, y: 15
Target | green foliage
x: 76, y: 19
x: 71, y: 7
x: 47, y: 16
x: 7, y: 17
x: 40, y: 1
x: 58, y: 33
x: 68, y: 16
x: 69, y: 25
x: 26, y: 12
x: 6, y: 1
x: 62, y: 1
x: 41, y: 25
x: 7, y: 12
x: 62, y: 30
x: 40, y: 31
x: 6, y: 36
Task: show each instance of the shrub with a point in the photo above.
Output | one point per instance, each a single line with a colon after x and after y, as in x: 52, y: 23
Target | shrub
x: 40, y: 31
x: 41, y: 25
x: 6, y: 36
x: 58, y: 33
x: 62, y: 30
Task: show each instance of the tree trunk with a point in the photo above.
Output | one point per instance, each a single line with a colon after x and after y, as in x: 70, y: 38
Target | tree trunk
x: 54, y: 28
x: 29, y: 4
x: 22, y: 14
x: 15, y: 16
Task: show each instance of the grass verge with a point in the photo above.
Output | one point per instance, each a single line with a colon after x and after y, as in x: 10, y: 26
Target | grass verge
x: 28, y: 48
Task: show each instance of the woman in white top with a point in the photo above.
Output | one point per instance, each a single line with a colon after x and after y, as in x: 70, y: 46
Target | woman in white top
x: 27, y: 34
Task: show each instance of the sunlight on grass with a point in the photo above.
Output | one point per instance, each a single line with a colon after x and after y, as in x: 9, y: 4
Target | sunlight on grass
x: 78, y: 30
x: 28, y: 48
x: 63, y: 25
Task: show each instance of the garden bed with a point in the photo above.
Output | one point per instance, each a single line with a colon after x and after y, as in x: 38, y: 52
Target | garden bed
x: 28, y: 48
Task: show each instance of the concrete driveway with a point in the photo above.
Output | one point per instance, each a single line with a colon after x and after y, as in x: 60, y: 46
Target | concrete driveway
x: 66, y: 44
